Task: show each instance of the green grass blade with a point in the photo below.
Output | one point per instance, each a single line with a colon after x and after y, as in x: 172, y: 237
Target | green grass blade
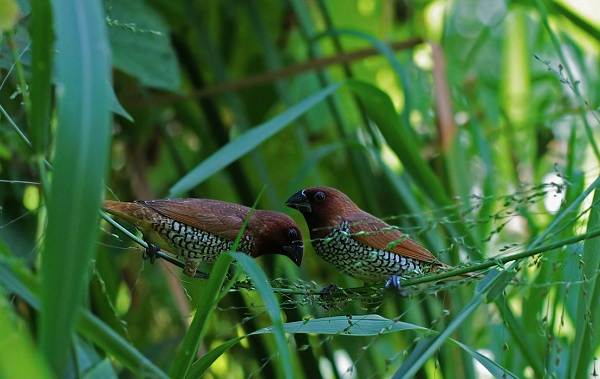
x: 385, y: 50
x: 101, y: 370
x: 582, y: 349
x: 199, y: 367
x: 264, y: 289
x: 41, y: 70
x: 18, y: 356
x: 247, y: 142
x: 82, y: 142
x: 206, y: 305
x: 493, y: 367
x: 204, y: 309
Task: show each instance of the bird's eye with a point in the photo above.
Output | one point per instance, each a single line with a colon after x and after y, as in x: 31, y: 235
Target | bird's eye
x: 292, y: 234
x: 320, y: 196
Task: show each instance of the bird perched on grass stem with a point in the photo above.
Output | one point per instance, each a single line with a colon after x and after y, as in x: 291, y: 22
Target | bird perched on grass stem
x: 200, y: 229
x: 356, y: 242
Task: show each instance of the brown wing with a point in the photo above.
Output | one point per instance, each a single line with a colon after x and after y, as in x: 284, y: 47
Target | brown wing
x: 216, y: 217
x: 371, y: 231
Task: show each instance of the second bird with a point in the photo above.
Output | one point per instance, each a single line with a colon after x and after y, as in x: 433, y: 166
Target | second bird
x: 200, y: 229
x: 356, y: 242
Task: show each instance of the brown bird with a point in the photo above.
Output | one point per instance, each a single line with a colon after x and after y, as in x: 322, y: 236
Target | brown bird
x: 356, y: 242
x: 200, y: 229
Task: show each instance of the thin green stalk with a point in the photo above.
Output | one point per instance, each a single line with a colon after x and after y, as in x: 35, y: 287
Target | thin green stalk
x: 499, y: 261
x: 20, y: 75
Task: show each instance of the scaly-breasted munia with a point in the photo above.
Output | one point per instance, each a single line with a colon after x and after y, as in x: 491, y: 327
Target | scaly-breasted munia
x: 200, y: 229
x: 356, y: 242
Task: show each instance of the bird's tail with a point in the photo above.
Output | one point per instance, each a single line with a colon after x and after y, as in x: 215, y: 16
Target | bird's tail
x: 132, y: 212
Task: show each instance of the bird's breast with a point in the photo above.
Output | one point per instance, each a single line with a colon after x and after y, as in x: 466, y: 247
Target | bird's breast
x: 193, y: 243
x: 361, y: 261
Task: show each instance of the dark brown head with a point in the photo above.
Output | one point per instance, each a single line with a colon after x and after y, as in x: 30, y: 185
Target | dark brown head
x: 276, y: 233
x: 322, y: 206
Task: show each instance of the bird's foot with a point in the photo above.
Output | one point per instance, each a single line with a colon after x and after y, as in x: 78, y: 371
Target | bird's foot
x: 329, y: 290
x: 393, y: 283
x: 191, y: 268
x: 150, y: 252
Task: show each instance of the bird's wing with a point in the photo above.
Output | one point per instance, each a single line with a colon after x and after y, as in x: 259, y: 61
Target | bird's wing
x: 373, y: 232
x: 216, y: 217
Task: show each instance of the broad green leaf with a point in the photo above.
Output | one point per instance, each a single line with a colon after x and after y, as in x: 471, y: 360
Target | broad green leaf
x: 80, y: 158
x: 247, y: 142
x: 360, y: 325
x: 140, y: 44
x: 263, y: 287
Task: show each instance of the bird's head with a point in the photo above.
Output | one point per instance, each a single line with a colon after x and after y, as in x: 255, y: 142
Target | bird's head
x: 276, y: 233
x: 321, y: 205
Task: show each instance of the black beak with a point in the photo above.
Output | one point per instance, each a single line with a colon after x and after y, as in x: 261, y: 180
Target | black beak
x: 300, y: 202
x: 295, y: 251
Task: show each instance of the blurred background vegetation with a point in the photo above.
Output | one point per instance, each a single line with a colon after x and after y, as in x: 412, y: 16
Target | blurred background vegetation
x: 470, y: 124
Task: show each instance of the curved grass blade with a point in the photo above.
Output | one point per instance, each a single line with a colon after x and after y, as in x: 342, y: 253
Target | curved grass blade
x: 247, y: 142
x: 199, y: 367
x: 206, y: 304
x: 494, y: 368
x: 264, y: 289
x: 82, y: 142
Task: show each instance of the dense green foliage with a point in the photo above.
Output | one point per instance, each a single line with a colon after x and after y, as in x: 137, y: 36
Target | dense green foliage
x: 471, y: 125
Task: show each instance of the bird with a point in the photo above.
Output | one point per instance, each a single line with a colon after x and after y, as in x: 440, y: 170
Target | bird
x: 198, y: 230
x: 358, y: 243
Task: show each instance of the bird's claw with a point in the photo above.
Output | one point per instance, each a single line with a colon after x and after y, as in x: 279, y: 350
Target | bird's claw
x: 394, y: 283
x: 150, y: 252
x: 329, y: 290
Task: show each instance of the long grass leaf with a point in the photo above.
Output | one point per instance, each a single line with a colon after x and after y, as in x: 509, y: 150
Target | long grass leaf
x: 82, y: 142
x: 247, y: 142
x: 582, y: 349
x: 264, y: 289
x: 206, y: 305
